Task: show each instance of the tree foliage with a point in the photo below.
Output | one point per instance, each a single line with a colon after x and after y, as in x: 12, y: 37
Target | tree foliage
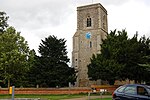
x: 120, y: 58
x: 3, y: 21
x: 15, y: 55
x: 51, y: 66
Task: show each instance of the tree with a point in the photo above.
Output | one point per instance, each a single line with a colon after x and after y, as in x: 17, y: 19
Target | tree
x: 14, y: 55
x: 136, y: 50
x: 104, y: 69
x: 54, y: 70
x: 144, y: 50
x: 106, y: 64
x: 120, y: 58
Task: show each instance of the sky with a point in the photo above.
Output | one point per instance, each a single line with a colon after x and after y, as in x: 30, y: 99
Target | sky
x: 38, y: 19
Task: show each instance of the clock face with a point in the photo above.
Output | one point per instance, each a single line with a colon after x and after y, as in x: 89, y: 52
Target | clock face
x: 88, y: 35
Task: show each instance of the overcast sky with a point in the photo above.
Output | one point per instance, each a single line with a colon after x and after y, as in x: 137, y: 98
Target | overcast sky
x: 37, y: 19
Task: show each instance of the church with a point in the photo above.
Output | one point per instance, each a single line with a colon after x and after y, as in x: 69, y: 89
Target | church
x: 92, y: 28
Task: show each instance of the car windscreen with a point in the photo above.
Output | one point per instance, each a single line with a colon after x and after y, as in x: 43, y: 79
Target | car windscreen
x: 148, y: 89
x: 120, y: 89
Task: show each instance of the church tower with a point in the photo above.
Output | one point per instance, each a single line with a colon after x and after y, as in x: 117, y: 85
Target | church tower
x: 92, y: 27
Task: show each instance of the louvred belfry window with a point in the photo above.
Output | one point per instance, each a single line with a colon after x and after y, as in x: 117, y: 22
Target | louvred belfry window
x: 89, y: 21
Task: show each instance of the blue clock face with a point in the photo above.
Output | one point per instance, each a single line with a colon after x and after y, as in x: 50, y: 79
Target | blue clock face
x: 88, y: 35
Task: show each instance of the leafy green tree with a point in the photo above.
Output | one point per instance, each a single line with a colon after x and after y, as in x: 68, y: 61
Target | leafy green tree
x: 14, y: 56
x: 24, y: 80
x: 3, y: 25
x: 52, y: 66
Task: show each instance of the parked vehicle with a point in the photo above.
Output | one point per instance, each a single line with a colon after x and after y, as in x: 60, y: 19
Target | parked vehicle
x: 132, y: 92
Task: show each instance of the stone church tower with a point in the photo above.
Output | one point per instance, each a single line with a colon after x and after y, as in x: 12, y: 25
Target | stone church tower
x: 92, y: 27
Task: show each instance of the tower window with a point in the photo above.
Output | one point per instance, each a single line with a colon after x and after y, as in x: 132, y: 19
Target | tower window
x: 104, y: 20
x: 90, y: 44
x: 89, y: 21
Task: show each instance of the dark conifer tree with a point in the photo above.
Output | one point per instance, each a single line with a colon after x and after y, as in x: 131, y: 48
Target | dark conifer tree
x: 53, y: 63
x: 121, y: 58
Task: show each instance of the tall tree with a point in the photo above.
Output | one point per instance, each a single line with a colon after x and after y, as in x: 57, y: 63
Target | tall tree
x: 144, y: 62
x: 14, y: 55
x: 107, y: 66
x: 136, y: 50
x: 54, y: 70
x: 120, y: 58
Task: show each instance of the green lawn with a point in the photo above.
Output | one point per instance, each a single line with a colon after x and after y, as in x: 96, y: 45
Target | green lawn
x: 49, y: 97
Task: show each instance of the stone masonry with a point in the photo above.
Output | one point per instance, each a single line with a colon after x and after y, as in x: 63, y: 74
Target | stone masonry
x: 92, y: 27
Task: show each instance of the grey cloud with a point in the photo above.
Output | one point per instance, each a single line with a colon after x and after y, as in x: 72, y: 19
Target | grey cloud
x: 37, y: 13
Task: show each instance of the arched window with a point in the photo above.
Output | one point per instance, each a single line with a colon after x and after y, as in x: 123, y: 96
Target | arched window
x: 89, y: 21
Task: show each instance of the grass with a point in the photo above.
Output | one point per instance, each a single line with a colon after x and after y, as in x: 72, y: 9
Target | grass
x: 49, y: 97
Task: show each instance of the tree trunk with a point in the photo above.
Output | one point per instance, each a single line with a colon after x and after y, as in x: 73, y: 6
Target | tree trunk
x: 8, y: 83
